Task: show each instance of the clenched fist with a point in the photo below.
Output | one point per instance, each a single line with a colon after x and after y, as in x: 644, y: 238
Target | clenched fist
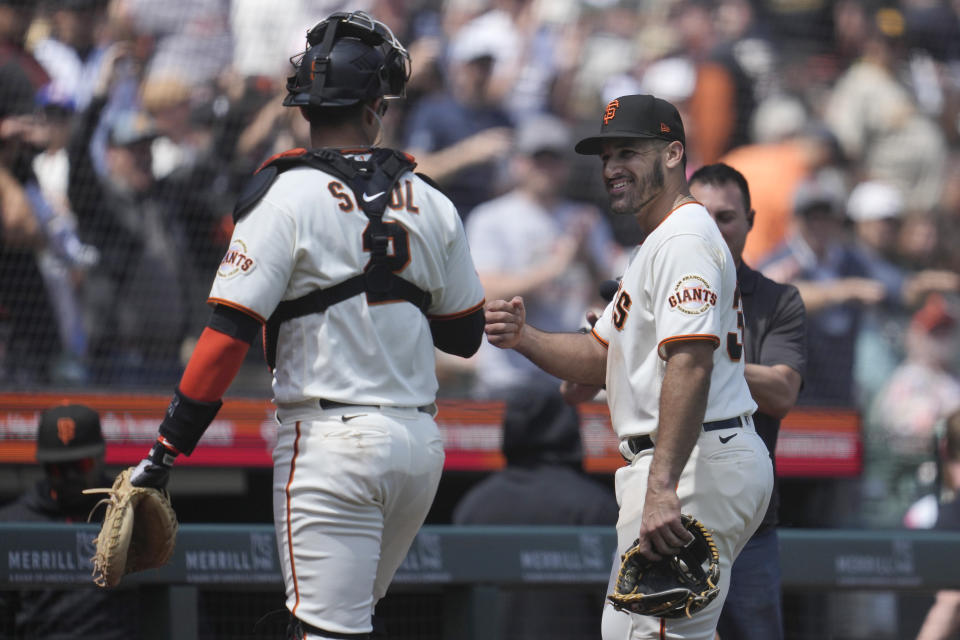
x: 505, y: 322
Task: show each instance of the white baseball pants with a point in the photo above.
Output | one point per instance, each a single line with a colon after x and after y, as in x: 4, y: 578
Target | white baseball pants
x: 727, y: 487
x: 351, y: 488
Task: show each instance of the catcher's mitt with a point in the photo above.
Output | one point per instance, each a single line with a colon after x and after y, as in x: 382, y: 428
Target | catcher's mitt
x: 673, y: 586
x: 138, y: 532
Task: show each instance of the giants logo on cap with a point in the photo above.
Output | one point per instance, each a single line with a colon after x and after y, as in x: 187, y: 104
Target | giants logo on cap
x: 610, y: 111
x: 66, y: 430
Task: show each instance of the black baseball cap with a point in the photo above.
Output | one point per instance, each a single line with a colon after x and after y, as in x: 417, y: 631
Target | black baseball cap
x: 635, y: 116
x: 69, y: 432
x: 539, y: 426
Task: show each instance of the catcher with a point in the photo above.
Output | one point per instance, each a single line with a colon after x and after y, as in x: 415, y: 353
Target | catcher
x: 355, y: 268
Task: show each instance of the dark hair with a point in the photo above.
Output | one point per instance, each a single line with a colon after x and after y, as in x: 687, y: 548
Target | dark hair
x: 539, y: 427
x: 720, y: 174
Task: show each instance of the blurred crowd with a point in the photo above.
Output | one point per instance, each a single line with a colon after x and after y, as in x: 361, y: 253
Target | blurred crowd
x: 127, y: 128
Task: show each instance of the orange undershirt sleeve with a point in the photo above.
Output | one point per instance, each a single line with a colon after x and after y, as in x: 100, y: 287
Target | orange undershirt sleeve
x: 214, y: 364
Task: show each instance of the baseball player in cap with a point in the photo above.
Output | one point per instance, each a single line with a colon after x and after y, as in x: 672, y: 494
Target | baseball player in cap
x: 356, y: 268
x: 669, y: 348
x: 70, y: 447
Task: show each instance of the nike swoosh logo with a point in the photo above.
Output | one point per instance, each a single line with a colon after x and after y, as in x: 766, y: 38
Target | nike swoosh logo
x: 728, y: 438
x: 367, y: 198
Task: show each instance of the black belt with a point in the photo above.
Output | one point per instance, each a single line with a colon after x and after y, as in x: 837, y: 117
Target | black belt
x: 729, y: 423
x: 333, y: 404
x: 636, y: 444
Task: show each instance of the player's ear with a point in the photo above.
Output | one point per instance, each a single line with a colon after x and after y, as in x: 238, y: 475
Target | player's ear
x: 378, y: 107
x: 673, y: 154
x: 751, y: 215
x: 370, y: 118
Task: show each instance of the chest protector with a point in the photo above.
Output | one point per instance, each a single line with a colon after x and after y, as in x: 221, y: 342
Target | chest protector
x: 378, y: 175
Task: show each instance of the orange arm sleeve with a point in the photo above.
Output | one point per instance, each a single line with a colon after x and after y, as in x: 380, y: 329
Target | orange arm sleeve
x: 214, y: 364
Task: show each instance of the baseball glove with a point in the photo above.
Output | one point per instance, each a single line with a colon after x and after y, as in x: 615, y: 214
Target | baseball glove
x: 138, y: 532
x: 673, y: 586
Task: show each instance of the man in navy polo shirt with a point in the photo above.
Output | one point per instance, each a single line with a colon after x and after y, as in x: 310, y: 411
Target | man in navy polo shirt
x: 775, y: 351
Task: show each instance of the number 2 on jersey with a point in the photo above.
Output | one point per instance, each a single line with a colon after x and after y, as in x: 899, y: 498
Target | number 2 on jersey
x: 398, y: 247
x: 399, y: 241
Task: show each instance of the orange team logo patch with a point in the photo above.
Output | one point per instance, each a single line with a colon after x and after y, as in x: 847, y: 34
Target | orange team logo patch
x: 611, y: 111
x: 692, y: 295
x: 236, y: 261
x: 664, y: 128
x: 66, y: 430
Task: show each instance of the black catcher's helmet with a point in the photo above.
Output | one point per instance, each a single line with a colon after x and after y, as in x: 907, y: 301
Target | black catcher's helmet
x: 350, y: 57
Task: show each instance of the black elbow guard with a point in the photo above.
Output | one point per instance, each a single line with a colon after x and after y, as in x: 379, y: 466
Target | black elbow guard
x: 186, y: 420
x: 459, y: 336
x: 234, y: 323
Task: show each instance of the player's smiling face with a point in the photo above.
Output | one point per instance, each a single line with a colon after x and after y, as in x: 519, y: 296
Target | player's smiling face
x: 632, y: 173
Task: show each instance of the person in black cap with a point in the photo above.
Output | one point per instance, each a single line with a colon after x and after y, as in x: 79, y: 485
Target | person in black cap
x: 679, y: 401
x: 543, y: 483
x: 775, y: 353
x: 71, y: 448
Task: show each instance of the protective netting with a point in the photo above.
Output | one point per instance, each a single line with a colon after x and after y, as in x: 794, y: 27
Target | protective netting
x: 129, y: 128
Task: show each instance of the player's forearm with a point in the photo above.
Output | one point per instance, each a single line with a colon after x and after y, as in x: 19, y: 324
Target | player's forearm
x: 577, y: 357
x: 216, y: 359
x: 683, y: 403
x: 774, y: 388
x: 943, y: 619
x: 214, y: 364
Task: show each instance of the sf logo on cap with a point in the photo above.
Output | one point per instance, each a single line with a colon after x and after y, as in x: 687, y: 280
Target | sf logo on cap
x: 66, y: 430
x: 611, y: 111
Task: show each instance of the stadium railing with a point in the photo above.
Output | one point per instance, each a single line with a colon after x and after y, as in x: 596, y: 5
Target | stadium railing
x: 465, y: 567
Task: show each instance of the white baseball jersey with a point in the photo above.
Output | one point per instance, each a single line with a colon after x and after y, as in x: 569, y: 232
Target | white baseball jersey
x: 306, y: 233
x: 680, y: 284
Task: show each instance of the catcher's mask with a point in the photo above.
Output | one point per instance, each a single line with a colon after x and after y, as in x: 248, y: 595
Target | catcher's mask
x: 350, y: 58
